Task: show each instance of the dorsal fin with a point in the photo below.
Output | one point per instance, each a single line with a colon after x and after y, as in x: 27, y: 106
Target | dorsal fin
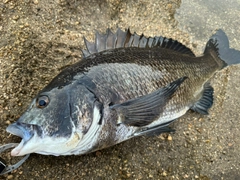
x: 121, y: 38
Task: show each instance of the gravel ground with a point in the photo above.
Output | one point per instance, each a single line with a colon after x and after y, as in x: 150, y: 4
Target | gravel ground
x: 40, y: 38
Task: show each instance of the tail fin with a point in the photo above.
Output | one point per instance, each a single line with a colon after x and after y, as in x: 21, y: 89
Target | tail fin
x: 220, y: 44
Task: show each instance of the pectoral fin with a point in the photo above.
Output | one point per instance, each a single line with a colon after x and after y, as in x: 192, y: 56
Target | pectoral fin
x: 146, y: 109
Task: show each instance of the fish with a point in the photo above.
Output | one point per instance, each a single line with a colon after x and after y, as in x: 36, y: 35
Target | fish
x: 126, y: 85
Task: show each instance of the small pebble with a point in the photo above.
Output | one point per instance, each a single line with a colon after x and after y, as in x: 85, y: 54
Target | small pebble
x: 128, y: 174
x: 98, y: 153
x: 15, y: 17
x: 35, y: 1
x: 169, y: 138
x: 10, y: 177
x: 169, y: 6
x: 161, y: 137
x: 164, y: 173
x: 7, y: 122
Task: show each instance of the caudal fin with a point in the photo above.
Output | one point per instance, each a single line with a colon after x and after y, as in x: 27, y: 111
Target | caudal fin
x: 220, y: 44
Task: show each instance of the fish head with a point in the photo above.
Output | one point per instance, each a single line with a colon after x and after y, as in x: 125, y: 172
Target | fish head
x: 55, y: 121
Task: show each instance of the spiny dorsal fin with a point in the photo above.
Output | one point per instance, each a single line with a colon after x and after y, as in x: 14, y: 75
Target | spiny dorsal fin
x: 121, y: 38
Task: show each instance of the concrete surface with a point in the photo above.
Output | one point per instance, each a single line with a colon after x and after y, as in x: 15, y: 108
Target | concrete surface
x: 39, y: 38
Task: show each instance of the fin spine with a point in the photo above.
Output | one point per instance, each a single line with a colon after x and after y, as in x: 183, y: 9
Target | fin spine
x: 122, y: 39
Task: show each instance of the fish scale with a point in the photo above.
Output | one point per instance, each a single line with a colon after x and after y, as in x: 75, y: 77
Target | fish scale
x: 148, y: 74
x: 131, y: 83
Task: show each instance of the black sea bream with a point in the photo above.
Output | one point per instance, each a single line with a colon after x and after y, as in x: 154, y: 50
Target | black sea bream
x: 125, y: 86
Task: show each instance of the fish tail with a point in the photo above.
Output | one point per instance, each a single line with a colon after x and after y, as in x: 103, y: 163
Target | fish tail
x: 218, y: 46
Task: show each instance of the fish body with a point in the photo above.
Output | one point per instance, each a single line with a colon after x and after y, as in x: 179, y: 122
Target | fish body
x: 125, y: 86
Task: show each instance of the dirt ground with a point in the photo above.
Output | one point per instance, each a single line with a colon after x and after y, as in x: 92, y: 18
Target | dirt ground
x: 40, y: 37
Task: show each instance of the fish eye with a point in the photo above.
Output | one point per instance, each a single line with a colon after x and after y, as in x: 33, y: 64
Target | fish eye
x: 42, y: 101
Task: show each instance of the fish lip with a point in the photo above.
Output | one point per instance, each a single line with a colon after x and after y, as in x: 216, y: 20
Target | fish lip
x: 23, y: 130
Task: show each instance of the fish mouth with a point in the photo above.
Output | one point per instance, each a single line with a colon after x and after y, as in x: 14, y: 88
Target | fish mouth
x: 26, y: 132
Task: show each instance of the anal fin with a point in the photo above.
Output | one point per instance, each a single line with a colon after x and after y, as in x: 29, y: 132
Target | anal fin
x: 155, y: 130
x: 205, y: 102
x: 144, y: 110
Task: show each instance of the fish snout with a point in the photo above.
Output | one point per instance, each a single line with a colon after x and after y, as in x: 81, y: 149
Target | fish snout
x: 24, y: 130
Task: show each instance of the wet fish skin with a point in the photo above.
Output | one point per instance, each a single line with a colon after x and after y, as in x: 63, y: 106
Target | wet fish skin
x: 125, y: 86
